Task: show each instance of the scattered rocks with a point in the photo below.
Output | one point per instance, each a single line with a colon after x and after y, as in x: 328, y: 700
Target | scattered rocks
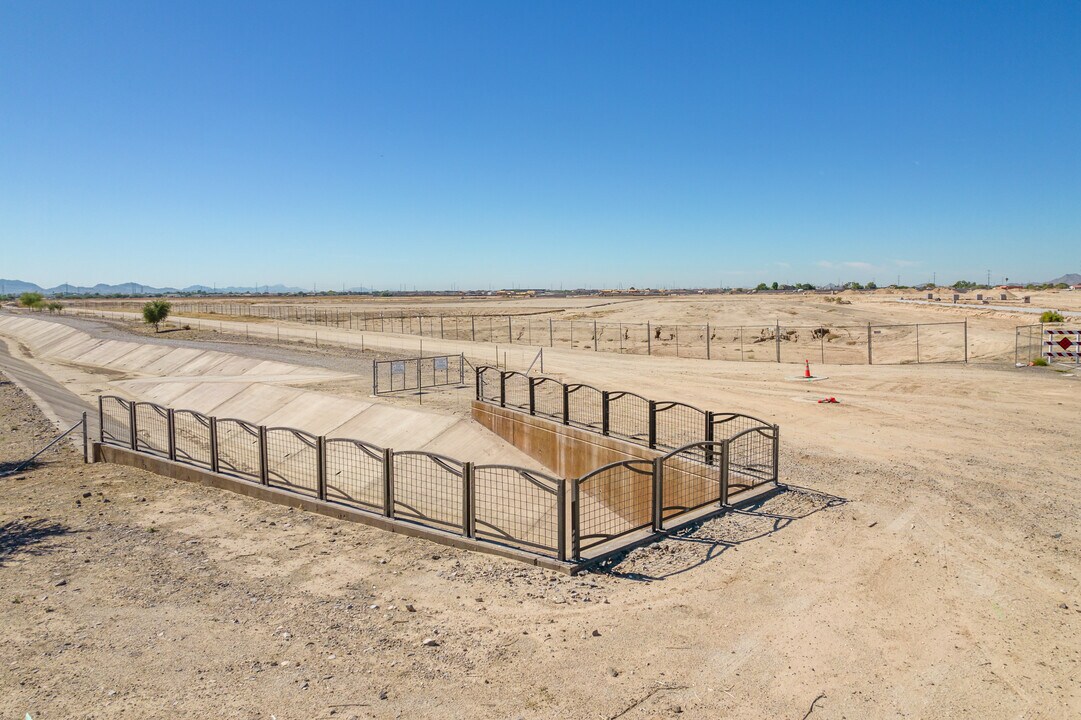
x: 430, y: 642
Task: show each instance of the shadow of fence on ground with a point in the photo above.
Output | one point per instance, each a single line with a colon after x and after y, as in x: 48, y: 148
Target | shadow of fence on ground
x: 27, y: 536
x: 701, y: 542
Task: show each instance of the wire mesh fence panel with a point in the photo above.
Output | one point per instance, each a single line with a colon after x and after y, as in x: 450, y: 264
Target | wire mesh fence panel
x: 607, y: 337
x: 664, y: 339
x: 354, y: 472
x: 293, y: 459
x: 441, y: 370
x: 191, y: 432
x: 488, y: 384
x: 516, y: 387
x: 758, y: 343
x: 751, y: 458
x: 548, y: 398
x: 517, y: 506
x: 692, y: 342
x: 799, y: 344
x: 115, y: 421
x: 1028, y: 343
x: 614, y: 500
x: 728, y: 425
x: 895, y: 344
x: 238, y: 448
x: 628, y: 416
x: 944, y: 343
x: 152, y: 429
x: 726, y: 343
x: 691, y: 478
x: 679, y: 424
x: 845, y: 345
x: 585, y: 407
x: 428, y: 487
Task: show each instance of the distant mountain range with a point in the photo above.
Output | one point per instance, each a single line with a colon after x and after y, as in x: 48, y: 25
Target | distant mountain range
x: 1069, y: 279
x: 16, y: 287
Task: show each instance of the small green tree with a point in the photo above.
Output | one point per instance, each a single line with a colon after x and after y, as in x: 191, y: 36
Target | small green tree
x: 155, y: 312
x: 774, y: 285
x: 54, y: 306
x: 31, y: 300
x: 1051, y: 316
x: 762, y: 286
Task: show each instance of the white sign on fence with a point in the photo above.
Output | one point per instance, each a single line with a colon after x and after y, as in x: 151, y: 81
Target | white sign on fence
x: 440, y: 363
x: 397, y: 367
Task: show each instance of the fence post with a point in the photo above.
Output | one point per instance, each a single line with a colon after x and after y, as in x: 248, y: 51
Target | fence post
x: 532, y: 396
x: 652, y: 424
x: 213, y: 444
x: 134, y: 428
x: 388, y: 482
x: 709, y: 437
x: 473, y: 325
x: 724, y: 472
x: 502, y: 388
x: 170, y: 427
x: 657, y: 517
x: 776, y: 453
x: 561, y: 519
x: 576, y: 520
x: 477, y: 380
x: 264, y: 471
x: 321, y: 467
x: 469, y: 520
x: 596, y: 339
x: 566, y: 405
x: 101, y: 419
x: 461, y: 369
x: 777, y: 337
x: 551, y: 337
x: 420, y: 388
x: 604, y: 412
x: 375, y: 377
x: 440, y: 327
x: 966, y: 338
x: 707, y: 342
x: 649, y: 339
x: 869, y: 358
x: 510, y: 332
x: 86, y: 457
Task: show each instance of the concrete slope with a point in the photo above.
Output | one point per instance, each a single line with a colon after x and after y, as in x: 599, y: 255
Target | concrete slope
x: 226, y: 385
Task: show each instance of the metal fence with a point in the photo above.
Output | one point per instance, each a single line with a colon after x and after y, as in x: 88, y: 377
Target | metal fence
x: 504, y: 505
x: 417, y: 373
x: 656, y: 424
x: 892, y: 344
x: 1054, y: 342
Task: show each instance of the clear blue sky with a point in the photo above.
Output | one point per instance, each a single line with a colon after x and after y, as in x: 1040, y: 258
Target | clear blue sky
x: 538, y: 143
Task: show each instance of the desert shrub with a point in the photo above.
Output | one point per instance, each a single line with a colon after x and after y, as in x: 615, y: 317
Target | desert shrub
x: 1040, y: 362
x: 1051, y: 316
x: 31, y: 300
x: 155, y: 312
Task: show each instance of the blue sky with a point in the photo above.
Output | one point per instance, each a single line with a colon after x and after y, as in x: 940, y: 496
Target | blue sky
x: 538, y: 144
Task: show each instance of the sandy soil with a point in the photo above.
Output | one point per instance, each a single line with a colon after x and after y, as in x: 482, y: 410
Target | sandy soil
x: 930, y: 569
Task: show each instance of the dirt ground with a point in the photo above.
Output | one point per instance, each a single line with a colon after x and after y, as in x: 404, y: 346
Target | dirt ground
x: 922, y: 564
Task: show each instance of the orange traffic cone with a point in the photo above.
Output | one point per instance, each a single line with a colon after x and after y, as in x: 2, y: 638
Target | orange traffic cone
x: 806, y: 368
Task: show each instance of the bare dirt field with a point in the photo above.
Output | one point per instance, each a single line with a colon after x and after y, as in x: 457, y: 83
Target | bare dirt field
x: 924, y: 563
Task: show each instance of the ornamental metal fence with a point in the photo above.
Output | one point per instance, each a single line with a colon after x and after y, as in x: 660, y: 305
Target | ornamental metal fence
x: 573, y: 520
x: 656, y: 424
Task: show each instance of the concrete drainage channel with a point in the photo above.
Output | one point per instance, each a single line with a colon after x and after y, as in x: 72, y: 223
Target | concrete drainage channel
x: 559, y: 523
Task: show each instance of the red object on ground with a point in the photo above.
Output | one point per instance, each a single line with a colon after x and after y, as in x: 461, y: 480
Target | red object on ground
x: 830, y: 401
x: 806, y: 368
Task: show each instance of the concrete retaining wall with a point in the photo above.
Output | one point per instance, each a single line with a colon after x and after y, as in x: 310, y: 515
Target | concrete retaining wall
x: 568, y: 451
